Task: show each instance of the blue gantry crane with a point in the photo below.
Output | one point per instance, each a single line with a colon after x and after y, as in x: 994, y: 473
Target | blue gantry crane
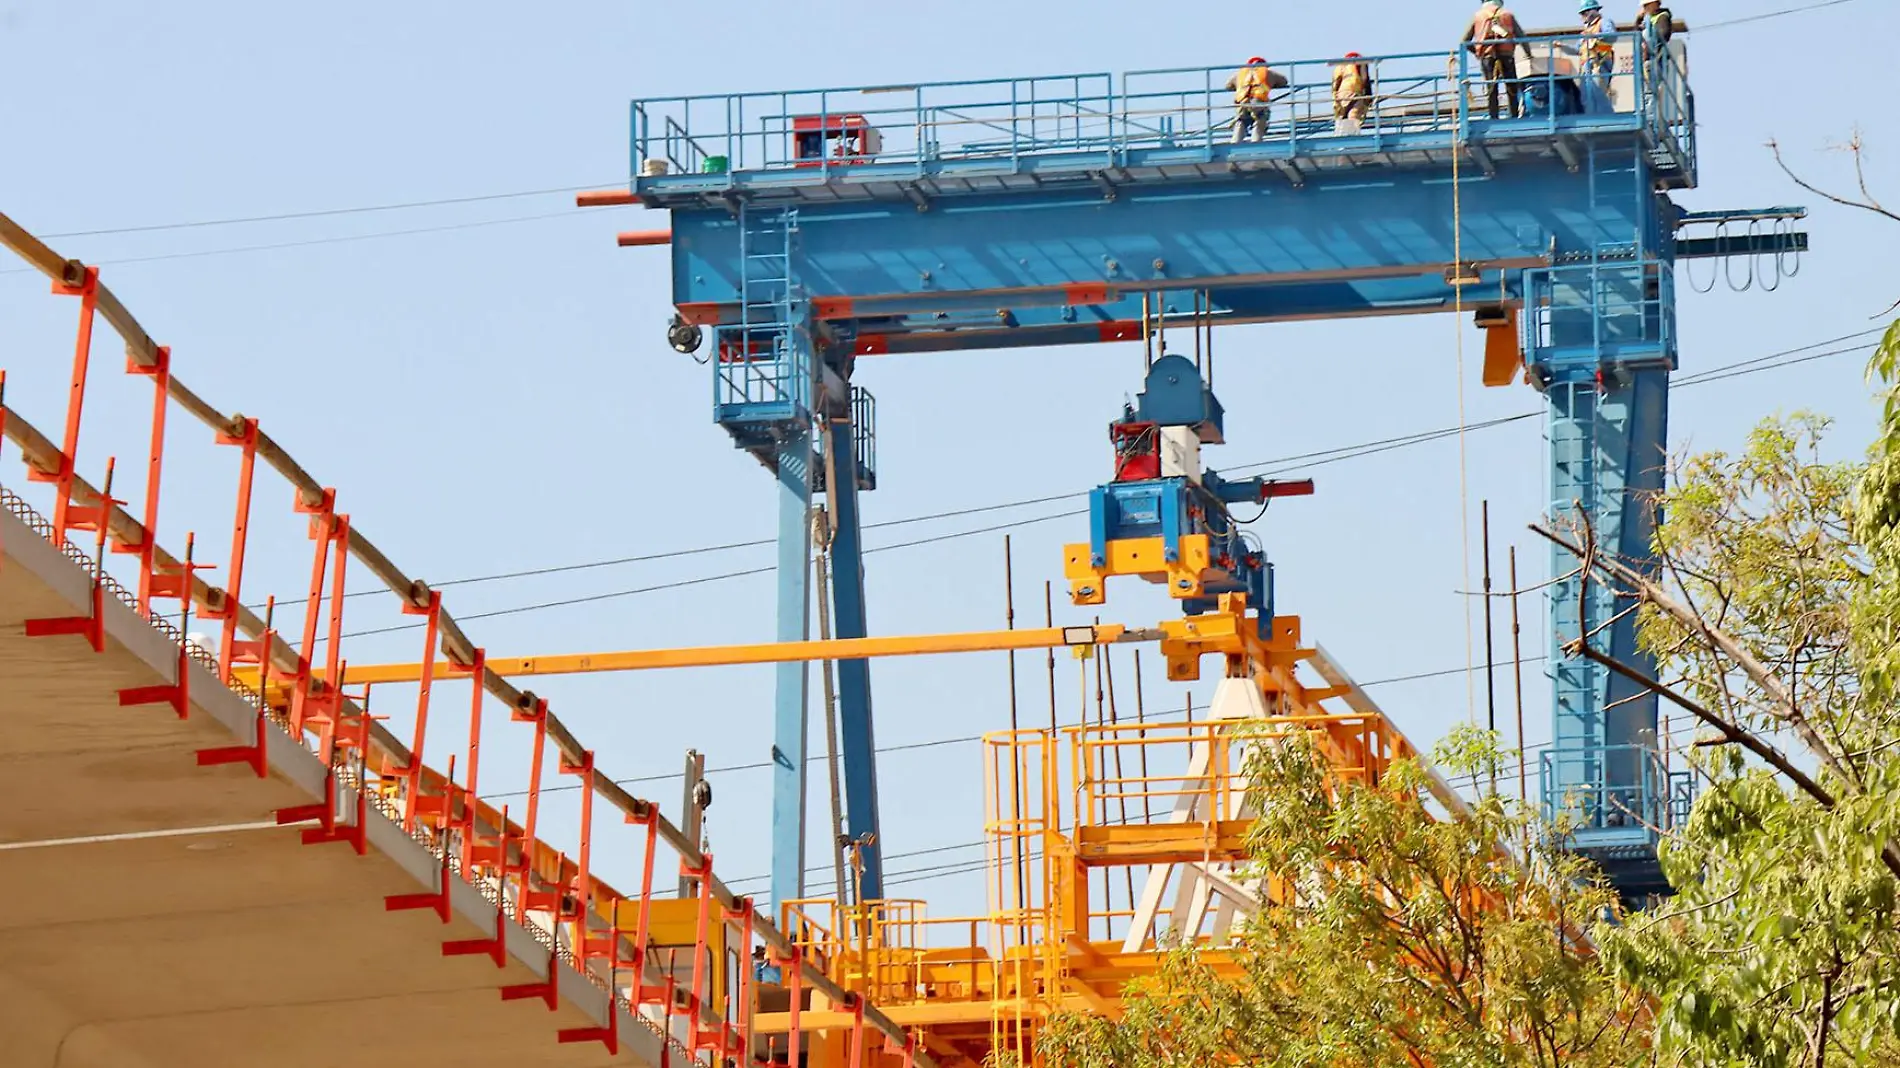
x: 810, y: 229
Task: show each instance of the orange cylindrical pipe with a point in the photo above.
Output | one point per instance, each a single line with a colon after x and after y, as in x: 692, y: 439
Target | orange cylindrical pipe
x: 605, y: 198
x: 631, y: 238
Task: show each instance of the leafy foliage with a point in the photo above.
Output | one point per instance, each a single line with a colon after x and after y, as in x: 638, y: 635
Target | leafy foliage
x: 1782, y: 946
x: 1400, y: 938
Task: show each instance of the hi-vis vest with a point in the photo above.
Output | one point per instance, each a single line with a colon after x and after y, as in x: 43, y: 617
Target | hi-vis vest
x: 1491, y: 32
x: 1596, y: 41
x: 1251, y: 86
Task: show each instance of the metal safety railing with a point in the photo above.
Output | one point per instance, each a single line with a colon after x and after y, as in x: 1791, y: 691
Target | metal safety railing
x: 1616, y: 312
x: 604, y: 935
x: 1102, y: 120
x: 1615, y: 792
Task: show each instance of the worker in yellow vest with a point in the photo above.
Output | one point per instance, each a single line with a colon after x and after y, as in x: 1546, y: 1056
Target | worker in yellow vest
x: 1352, y: 94
x: 1252, y: 85
x: 1599, y: 51
x: 1495, y: 36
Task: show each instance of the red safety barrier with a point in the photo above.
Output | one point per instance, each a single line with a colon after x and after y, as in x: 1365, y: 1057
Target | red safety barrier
x: 412, y: 772
x: 324, y: 812
x: 96, y: 517
x: 87, y: 290
x: 230, y: 605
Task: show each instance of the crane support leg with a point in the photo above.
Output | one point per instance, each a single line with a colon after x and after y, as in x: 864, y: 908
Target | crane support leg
x: 858, y: 742
x: 790, y: 709
x: 1608, y: 452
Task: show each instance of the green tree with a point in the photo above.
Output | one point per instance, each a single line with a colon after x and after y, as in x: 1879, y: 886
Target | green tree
x: 1400, y: 938
x: 1773, y: 617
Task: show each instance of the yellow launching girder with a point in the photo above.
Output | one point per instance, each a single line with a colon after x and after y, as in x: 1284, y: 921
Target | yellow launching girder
x: 1085, y: 637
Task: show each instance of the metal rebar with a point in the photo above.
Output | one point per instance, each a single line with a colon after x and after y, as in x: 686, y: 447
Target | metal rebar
x: 1490, y: 688
x: 1517, y: 669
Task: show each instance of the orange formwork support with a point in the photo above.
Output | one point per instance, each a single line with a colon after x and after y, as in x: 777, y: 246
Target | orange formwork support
x: 643, y: 923
x: 412, y: 772
x: 146, y: 548
x: 176, y: 584
x: 436, y: 901
x: 87, y: 290
x: 229, y: 607
x: 97, y: 517
x: 324, y: 812
x: 535, y: 712
x: 477, y: 668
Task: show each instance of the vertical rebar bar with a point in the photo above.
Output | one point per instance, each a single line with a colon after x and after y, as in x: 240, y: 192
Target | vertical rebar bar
x: 1017, y: 859
x: 1517, y: 669
x: 1490, y: 689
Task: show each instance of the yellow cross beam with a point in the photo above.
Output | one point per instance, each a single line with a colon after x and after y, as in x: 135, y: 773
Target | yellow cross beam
x: 1081, y: 638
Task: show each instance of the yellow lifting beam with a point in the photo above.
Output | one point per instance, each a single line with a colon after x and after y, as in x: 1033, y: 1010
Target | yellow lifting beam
x: 1085, y: 637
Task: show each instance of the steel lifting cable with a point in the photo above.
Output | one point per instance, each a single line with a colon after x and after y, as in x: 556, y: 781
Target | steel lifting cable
x: 1458, y: 315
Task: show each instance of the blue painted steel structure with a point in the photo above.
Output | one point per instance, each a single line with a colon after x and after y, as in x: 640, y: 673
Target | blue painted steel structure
x: 1053, y: 210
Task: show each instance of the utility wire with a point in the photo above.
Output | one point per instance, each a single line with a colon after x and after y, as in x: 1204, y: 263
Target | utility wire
x: 1803, y: 9
x: 327, y: 213
x: 1304, y: 461
x: 333, y: 240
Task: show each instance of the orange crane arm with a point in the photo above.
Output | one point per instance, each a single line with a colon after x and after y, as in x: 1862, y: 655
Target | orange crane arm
x: 763, y: 653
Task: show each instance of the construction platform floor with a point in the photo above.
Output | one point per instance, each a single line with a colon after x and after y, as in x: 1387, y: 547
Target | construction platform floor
x: 155, y: 917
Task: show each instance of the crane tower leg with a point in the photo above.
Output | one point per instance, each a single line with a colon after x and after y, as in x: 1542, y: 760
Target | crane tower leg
x: 858, y: 744
x: 790, y: 710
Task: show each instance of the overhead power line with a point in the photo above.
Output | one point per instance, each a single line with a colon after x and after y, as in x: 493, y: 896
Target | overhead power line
x: 1764, y: 16
x: 330, y: 213
x: 1754, y: 365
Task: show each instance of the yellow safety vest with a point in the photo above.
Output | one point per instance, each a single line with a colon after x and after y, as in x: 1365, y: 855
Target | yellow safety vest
x: 1251, y: 86
x: 1596, y: 38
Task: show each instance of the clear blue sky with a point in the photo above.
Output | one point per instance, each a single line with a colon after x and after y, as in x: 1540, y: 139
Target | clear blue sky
x: 499, y: 397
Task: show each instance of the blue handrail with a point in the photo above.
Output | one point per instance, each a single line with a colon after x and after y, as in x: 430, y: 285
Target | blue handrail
x: 828, y: 132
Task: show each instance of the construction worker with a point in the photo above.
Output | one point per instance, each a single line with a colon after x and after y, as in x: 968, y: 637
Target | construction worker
x: 1657, y: 24
x: 1599, y: 52
x: 1252, y: 85
x: 1490, y: 36
x: 1352, y: 95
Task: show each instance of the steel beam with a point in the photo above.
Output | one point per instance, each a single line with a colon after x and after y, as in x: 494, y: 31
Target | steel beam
x: 790, y: 708
x: 804, y: 651
x: 858, y: 741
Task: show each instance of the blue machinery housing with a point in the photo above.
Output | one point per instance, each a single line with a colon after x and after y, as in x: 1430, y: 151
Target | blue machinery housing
x: 813, y: 228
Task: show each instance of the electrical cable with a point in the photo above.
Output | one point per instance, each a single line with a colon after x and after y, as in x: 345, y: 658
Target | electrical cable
x: 326, y: 213
x: 1801, y: 10
x: 1279, y: 466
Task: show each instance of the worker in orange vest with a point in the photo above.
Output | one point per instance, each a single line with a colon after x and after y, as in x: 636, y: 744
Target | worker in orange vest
x: 1495, y: 35
x: 1352, y: 94
x: 1252, y: 85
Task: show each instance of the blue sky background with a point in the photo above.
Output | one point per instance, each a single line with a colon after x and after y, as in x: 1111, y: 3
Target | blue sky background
x: 494, y: 394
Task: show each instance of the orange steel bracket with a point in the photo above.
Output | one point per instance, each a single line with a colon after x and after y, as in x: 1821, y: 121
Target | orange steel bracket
x: 739, y: 1043
x: 323, y: 532
x: 605, y: 198
x: 257, y: 755
x: 643, y: 925
x: 226, y: 610
x: 531, y: 709
x: 413, y: 770
x: 436, y: 901
x: 548, y: 991
x: 495, y: 949
x: 702, y: 935
x: 87, y: 290
x: 324, y: 812
x: 856, y: 1058
x: 1503, y: 355
x: 91, y: 626
x: 639, y: 238
x: 477, y: 668
x: 607, y: 1035
x: 160, y: 372
x: 177, y: 583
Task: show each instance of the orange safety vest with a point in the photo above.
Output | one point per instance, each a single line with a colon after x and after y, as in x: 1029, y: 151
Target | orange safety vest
x: 1252, y: 86
x: 1491, y: 32
x: 1596, y: 41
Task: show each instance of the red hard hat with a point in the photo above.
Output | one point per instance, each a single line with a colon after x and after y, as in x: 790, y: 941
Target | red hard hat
x: 1352, y: 55
x: 1255, y: 60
